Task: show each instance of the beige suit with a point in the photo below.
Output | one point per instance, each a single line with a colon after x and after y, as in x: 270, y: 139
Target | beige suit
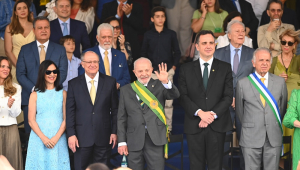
x: 265, y: 38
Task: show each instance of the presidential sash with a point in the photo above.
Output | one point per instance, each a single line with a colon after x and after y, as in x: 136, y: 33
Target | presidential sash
x: 152, y: 102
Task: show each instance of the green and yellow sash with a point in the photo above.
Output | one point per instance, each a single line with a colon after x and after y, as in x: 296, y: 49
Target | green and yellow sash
x: 151, y: 101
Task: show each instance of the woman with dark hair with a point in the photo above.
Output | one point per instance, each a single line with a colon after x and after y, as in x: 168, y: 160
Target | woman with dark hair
x: 119, y: 39
x: 10, y: 108
x: 223, y: 41
x: 209, y: 17
x: 47, y: 148
x: 18, y: 33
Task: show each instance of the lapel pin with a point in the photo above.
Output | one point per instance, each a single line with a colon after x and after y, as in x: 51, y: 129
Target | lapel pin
x: 115, y: 55
x: 152, y: 85
x: 213, y: 70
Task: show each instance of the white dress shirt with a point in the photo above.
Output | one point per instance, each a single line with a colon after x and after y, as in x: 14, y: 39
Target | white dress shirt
x: 45, y: 44
x: 266, y: 78
x: 88, y: 81
x: 62, y: 27
x: 102, y: 51
x: 8, y: 115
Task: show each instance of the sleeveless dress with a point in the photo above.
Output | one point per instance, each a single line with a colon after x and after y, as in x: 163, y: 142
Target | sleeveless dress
x: 18, y: 40
x: 49, y: 117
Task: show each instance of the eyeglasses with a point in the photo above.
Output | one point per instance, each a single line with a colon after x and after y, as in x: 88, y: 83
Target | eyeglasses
x: 117, y: 27
x: 48, y: 72
x: 90, y: 62
x: 289, y: 43
x: 274, y: 10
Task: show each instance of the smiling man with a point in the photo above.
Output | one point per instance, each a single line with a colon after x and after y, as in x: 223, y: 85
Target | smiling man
x: 206, y: 93
x: 261, y: 101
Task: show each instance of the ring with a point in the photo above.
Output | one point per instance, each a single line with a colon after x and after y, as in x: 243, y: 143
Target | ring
x: 48, y: 145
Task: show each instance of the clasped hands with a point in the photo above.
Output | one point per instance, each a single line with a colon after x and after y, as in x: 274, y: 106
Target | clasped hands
x: 124, y: 8
x: 50, y: 143
x: 206, y: 118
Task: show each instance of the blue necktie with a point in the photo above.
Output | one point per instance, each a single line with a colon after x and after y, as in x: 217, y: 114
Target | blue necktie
x: 233, y: 1
x: 65, y: 31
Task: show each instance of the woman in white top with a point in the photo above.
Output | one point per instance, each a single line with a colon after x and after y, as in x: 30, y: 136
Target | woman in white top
x: 10, y: 108
x: 223, y: 41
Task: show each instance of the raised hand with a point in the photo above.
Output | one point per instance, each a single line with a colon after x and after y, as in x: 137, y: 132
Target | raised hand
x: 127, y: 9
x: 163, y: 73
x: 120, y: 11
x: 10, y: 101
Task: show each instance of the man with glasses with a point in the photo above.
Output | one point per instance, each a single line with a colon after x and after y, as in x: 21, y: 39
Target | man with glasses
x: 112, y: 62
x: 268, y: 35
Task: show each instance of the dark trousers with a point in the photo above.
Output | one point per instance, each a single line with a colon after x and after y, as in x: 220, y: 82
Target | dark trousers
x: 84, y: 156
x: 206, y: 148
x: 26, y: 124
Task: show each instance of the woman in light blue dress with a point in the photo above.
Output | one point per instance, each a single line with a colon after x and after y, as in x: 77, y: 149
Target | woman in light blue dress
x: 47, y: 148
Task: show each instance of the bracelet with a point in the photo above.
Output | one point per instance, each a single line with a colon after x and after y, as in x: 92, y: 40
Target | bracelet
x: 202, y: 17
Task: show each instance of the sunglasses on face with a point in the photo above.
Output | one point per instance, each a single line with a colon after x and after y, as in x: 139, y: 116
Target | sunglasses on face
x: 48, y: 72
x: 289, y: 43
x: 117, y: 27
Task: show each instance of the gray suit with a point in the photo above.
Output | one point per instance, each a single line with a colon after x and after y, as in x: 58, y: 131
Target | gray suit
x: 133, y: 121
x: 261, y: 136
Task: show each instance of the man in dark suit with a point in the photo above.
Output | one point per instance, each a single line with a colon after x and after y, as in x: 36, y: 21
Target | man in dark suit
x: 64, y: 25
x: 117, y: 64
x: 248, y: 15
x: 142, y: 135
x: 206, y: 93
x: 30, y: 57
x: 131, y: 20
x: 239, y: 56
x: 92, y: 107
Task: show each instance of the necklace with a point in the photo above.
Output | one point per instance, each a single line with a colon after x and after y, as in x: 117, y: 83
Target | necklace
x: 286, y: 68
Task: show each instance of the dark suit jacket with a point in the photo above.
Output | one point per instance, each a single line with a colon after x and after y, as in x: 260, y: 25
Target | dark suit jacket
x: 29, y: 62
x: 248, y: 15
x: 92, y: 124
x: 132, y: 118
x: 131, y: 25
x: 119, y: 69
x: 245, y: 65
x: 217, y: 97
x: 77, y: 30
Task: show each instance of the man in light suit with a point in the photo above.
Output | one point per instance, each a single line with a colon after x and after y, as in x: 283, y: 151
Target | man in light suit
x: 91, y: 119
x: 206, y: 93
x: 239, y: 56
x: 30, y: 57
x: 64, y: 25
x: 117, y: 65
x: 141, y: 134
x: 261, y: 136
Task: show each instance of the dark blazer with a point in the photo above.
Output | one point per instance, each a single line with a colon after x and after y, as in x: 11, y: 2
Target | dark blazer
x: 77, y: 30
x: 132, y: 118
x: 92, y: 124
x: 131, y: 25
x: 217, y: 97
x: 29, y: 62
x: 119, y: 69
x: 245, y: 65
x: 248, y: 15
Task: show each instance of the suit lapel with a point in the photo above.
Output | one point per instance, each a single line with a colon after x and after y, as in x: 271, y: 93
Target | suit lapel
x: 85, y: 88
x: 101, y: 64
x: 100, y: 86
x: 270, y: 83
x: 72, y: 26
x: 35, y: 51
x: 198, y: 73
x: 50, y: 49
x: 212, y: 74
x: 58, y: 28
x: 113, y: 64
x: 242, y: 61
x: 227, y: 54
x: 257, y: 94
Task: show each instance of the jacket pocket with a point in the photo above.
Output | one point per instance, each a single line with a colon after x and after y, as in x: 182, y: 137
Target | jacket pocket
x: 249, y: 125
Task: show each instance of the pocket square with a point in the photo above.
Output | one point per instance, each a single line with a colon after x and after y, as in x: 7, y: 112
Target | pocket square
x: 120, y: 65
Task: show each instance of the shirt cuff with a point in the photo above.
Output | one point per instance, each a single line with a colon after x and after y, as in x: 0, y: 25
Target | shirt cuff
x: 128, y: 15
x: 122, y: 144
x: 117, y: 16
x: 168, y: 86
x: 32, y: 90
x: 215, y: 116
x: 196, y: 113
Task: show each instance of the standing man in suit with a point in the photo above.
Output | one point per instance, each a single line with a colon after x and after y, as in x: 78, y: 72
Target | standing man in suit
x: 92, y: 107
x: 30, y: 57
x: 112, y: 62
x: 248, y: 15
x: 64, y: 25
x: 239, y: 56
x: 206, y: 92
x: 142, y: 123
x: 261, y: 100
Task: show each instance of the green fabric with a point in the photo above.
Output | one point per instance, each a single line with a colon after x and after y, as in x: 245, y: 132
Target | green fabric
x: 292, y: 114
x: 215, y: 17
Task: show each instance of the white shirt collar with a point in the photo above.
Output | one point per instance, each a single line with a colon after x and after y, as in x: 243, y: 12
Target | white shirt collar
x: 259, y: 76
x: 60, y: 21
x: 209, y: 61
x: 88, y: 79
x: 102, y: 50
x: 120, y: 2
x: 45, y: 44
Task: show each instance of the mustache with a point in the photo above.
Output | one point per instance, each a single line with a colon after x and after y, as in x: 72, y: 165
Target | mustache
x: 147, y: 76
x: 106, y: 43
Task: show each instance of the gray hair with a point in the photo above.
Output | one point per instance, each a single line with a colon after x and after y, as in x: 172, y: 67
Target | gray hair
x: 261, y: 49
x: 104, y: 26
x: 40, y: 18
x: 83, y: 55
x: 141, y: 58
x: 234, y: 22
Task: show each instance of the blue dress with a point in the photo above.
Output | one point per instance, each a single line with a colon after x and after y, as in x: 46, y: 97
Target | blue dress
x: 49, y: 116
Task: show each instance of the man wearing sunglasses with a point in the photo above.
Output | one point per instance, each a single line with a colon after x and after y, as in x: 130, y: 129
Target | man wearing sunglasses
x: 268, y: 35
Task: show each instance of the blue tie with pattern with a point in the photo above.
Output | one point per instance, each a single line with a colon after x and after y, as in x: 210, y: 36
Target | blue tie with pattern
x: 65, y: 30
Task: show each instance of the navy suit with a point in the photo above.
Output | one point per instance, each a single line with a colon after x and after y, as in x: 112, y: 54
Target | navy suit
x: 91, y: 124
x: 119, y: 68
x: 28, y: 66
x: 77, y: 30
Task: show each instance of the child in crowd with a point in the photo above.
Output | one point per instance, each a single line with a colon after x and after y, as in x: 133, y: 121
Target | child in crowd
x: 73, y: 62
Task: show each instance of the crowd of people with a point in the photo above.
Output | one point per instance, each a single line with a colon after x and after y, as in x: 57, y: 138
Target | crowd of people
x: 87, y: 76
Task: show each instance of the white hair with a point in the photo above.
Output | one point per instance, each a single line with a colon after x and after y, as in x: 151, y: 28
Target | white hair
x: 261, y: 49
x: 104, y: 26
x: 234, y: 22
x: 141, y: 58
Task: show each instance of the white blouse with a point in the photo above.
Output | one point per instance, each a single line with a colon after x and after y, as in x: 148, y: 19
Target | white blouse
x: 8, y: 115
x: 223, y: 41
